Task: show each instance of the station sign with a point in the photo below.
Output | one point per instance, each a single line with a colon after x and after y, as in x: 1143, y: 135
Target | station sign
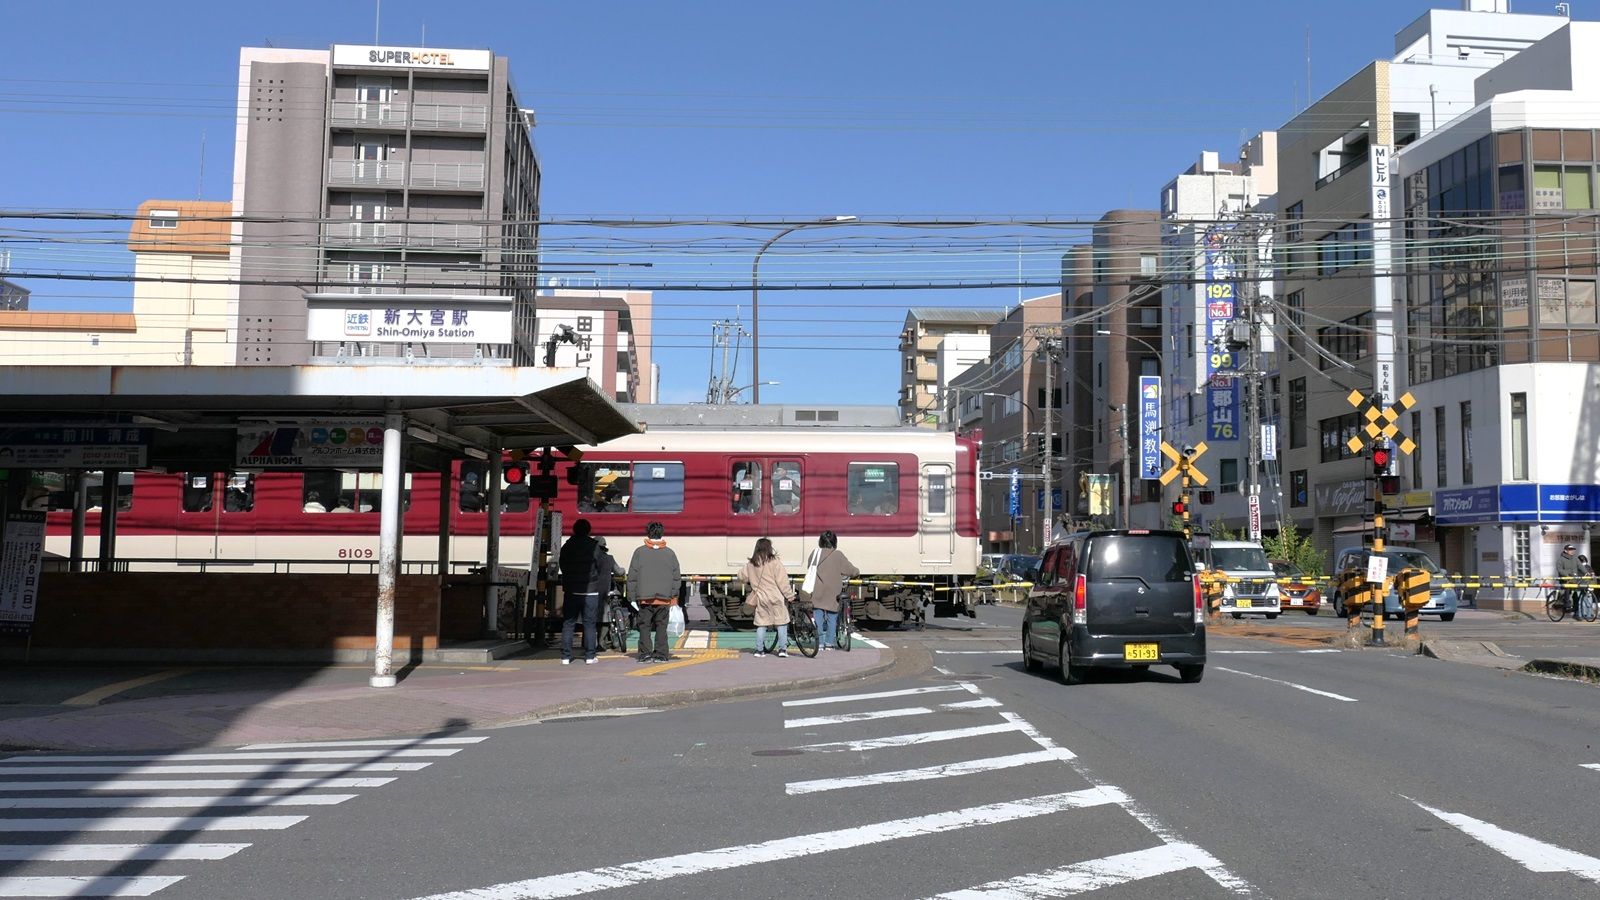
x: 74, y: 447
x: 319, y: 444
x: 399, y: 318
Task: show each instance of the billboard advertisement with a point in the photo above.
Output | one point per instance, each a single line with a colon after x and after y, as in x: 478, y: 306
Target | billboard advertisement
x: 1149, y: 426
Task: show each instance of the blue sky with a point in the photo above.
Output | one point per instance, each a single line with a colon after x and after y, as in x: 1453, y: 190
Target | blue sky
x: 798, y: 110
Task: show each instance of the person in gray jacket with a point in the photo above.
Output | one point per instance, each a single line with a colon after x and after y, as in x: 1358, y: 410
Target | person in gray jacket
x: 653, y: 582
x: 833, y: 570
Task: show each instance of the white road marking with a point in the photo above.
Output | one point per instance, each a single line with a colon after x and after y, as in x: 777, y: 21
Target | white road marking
x: 218, y: 757
x: 6, y: 769
x: 1269, y: 652
x: 906, y: 740
x: 87, y: 886
x: 256, y: 800
x: 880, y: 695
x: 1595, y: 766
x: 1534, y: 855
x: 573, y: 884
x: 928, y: 773
x: 942, y: 670
x: 156, y: 823
x: 1298, y: 687
x: 198, y: 784
x: 1093, y: 875
x: 116, y: 852
x: 1012, y: 652
x: 886, y: 713
x: 400, y: 742
x: 870, y: 642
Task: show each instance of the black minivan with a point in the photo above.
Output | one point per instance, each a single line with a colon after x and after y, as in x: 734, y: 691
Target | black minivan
x: 1116, y: 598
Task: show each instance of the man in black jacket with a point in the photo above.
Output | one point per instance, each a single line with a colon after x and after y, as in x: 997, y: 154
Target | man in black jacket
x: 578, y: 564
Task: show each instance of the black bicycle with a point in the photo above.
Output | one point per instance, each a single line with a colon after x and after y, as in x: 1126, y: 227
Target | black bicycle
x: 841, y: 634
x: 802, y: 631
x: 619, y: 621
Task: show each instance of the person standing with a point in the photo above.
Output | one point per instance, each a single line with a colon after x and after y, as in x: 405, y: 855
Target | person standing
x: 769, y: 588
x: 578, y: 599
x: 1568, y: 568
x: 653, y: 582
x: 833, y: 570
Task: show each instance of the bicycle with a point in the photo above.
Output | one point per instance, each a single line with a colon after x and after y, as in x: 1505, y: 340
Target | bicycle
x: 1588, y: 608
x: 619, y: 621
x: 1555, y: 603
x: 841, y: 633
x: 802, y: 631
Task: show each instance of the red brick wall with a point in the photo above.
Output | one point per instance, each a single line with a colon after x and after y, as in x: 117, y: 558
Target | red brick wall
x: 221, y: 611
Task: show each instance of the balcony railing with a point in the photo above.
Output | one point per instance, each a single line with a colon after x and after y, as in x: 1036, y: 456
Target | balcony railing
x: 365, y: 234
x: 450, y: 117
x: 447, y: 234
x: 369, y: 114
x: 367, y: 173
x: 447, y: 175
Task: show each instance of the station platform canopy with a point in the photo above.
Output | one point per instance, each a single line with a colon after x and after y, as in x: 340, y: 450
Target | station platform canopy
x: 192, y: 410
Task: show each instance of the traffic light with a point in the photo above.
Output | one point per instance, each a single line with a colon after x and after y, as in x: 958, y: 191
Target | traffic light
x: 1380, y: 459
x: 1179, y: 507
x: 1389, y: 484
x: 515, y: 473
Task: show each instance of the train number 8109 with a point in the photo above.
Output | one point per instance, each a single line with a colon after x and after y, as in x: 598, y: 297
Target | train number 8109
x: 355, y: 552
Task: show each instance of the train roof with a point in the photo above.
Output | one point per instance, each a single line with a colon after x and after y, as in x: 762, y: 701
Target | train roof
x: 767, y: 415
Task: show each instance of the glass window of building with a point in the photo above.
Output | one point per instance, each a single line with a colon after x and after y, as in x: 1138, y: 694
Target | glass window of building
x: 1519, y: 437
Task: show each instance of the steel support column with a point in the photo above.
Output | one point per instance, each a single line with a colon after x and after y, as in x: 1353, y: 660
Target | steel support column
x: 388, y: 550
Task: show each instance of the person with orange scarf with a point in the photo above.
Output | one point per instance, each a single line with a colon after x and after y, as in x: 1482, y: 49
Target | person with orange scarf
x: 654, y: 579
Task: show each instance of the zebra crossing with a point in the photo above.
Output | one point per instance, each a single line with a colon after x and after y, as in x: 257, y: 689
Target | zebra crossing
x: 61, y: 814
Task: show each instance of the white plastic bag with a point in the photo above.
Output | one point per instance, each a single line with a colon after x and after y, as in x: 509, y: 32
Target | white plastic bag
x: 675, y: 621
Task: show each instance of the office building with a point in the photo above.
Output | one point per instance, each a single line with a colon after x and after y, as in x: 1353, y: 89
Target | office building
x: 924, y: 332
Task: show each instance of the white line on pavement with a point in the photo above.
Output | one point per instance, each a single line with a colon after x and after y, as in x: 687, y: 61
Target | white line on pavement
x: 1298, y: 687
x: 573, y: 884
x: 257, y: 800
x: 880, y: 695
x: 87, y: 886
x: 928, y: 773
x: 1273, y: 652
x: 196, y: 784
x: 977, y: 652
x: 156, y: 823
x: 9, y: 770
x: 886, y: 713
x: 870, y: 642
x: 1093, y: 875
x: 116, y: 852
x: 1534, y: 855
x: 906, y: 740
x: 217, y: 757
x: 942, y: 670
x: 414, y: 742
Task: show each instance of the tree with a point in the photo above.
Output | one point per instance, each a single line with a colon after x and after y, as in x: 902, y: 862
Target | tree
x: 1221, y: 532
x: 1296, y: 548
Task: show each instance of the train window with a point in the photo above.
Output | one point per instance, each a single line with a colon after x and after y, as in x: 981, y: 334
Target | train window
x: 474, y: 494
x: 658, y: 487
x: 348, y: 492
x: 319, y: 492
x: 198, y: 492
x: 786, y: 487
x: 96, y: 483
x: 745, y: 482
x: 239, y: 494
x: 609, y: 487
x: 48, y: 491
x: 872, y: 489
x: 938, y: 493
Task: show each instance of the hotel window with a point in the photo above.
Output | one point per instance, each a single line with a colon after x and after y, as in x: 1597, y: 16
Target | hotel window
x: 163, y: 218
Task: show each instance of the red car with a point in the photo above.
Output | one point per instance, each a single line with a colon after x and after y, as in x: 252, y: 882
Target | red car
x: 1295, y: 591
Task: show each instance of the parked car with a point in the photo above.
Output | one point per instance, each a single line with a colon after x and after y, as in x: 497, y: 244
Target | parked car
x: 997, y: 570
x: 1252, y: 586
x: 1295, y: 591
x: 1122, y: 599
x: 1442, y: 601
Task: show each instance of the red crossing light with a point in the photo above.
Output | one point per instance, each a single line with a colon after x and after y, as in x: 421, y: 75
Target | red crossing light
x: 1380, y: 459
x: 1178, y: 507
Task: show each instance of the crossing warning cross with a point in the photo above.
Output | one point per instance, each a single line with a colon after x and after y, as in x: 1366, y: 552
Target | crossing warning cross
x: 1182, y: 465
x: 1382, y: 422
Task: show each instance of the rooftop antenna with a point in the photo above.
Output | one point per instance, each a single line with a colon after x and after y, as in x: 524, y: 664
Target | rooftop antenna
x: 1564, y: 9
x: 200, y: 182
x: 377, y: 18
x: 1308, y: 67
x: 424, y: 35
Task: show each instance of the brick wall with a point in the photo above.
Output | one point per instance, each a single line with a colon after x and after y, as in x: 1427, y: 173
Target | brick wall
x: 224, y: 611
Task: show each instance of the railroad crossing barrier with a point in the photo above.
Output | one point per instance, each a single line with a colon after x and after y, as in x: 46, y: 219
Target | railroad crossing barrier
x: 1415, y: 587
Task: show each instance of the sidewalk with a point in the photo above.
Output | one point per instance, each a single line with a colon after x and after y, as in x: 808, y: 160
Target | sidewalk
x: 471, y: 697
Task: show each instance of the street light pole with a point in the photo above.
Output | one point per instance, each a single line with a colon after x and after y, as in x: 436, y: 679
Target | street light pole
x: 755, y: 297
x: 734, y: 394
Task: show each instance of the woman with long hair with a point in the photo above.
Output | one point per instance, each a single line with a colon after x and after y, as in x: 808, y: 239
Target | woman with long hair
x: 767, y: 582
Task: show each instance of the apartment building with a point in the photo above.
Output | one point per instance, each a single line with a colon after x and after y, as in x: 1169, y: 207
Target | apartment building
x: 389, y: 172
x: 610, y: 337
x: 920, y: 339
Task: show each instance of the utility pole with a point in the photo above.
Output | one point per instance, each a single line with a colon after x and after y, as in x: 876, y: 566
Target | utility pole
x: 1127, y: 470
x: 724, y: 335
x: 1049, y: 348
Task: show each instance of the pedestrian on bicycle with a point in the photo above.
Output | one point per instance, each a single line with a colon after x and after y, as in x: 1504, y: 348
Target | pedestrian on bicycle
x: 1567, y: 568
x: 653, y: 582
x: 833, y: 569
x: 583, y: 562
x: 767, y: 582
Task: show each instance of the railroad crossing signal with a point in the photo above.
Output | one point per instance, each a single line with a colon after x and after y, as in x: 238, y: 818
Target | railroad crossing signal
x: 1382, y: 430
x: 1374, y: 412
x: 1182, y: 465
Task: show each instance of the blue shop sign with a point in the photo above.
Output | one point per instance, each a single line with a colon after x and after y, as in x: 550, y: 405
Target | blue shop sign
x: 1518, y: 503
x: 1466, y: 505
x: 1569, y: 502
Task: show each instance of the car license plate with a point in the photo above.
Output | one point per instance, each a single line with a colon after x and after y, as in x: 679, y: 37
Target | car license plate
x: 1141, y: 652
x: 1242, y: 603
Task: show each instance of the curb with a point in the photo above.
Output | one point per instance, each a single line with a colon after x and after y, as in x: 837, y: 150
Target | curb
x: 1563, y: 668
x: 688, y: 697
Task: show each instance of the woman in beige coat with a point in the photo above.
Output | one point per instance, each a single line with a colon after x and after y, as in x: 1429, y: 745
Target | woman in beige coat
x: 769, y: 589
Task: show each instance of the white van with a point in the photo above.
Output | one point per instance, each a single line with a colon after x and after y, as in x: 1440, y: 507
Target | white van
x: 1252, y: 586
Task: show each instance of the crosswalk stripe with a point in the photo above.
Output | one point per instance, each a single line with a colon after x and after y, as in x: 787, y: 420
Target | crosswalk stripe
x: 255, y: 800
x: 218, y: 757
x: 1533, y: 854
x: 87, y: 885
x: 387, y: 742
x: 155, y: 823
x: 251, y: 769
x: 870, y: 642
x: 1092, y: 875
x: 573, y: 884
x: 116, y: 852
x: 906, y: 740
x: 928, y: 773
x: 886, y: 713
x: 196, y: 784
x: 880, y: 695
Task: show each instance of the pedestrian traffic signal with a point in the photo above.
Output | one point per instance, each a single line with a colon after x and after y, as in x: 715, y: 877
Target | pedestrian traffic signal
x: 1380, y: 460
x: 1179, y: 507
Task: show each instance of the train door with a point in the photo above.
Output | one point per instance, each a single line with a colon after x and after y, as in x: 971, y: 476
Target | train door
x: 785, y: 524
x: 746, y: 489
x: 937, y: 529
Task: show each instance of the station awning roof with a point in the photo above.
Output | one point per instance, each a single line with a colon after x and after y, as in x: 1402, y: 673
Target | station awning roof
x: 461, y: 405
